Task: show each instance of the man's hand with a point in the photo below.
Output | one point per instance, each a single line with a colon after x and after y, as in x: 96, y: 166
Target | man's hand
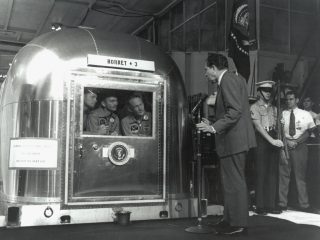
x: 115, y: 133
x: 102, y: 129
x: 204, y: 127
x: 291, y: 144
x: 206, y: 121
x: 277, y: 143
x: 283, y: 158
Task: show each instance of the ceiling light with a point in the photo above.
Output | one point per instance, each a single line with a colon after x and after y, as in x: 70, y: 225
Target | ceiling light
x: 56, y: 26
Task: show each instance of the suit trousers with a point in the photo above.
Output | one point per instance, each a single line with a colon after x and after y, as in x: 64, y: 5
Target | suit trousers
x: 298, y: 164
x: 266, y: 160
x: 235, y: 189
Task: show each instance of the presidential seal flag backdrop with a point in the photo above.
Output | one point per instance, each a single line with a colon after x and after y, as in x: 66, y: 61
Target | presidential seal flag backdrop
x: 239, y: 37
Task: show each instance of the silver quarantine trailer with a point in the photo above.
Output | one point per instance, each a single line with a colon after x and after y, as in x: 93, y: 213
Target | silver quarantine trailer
x: 56, y: 171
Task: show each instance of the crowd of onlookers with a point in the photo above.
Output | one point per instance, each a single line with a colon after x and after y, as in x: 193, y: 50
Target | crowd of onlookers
x: 284, y: 162
x: 308, y: 105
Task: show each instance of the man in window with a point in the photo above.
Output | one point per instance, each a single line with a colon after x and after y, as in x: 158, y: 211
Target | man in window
x: 138, y: 122
x: 89, y: 102
x: 104, y: 120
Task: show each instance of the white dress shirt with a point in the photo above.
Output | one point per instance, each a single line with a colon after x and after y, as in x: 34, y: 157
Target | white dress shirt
x: 220, y: 77
x: 303, y: 122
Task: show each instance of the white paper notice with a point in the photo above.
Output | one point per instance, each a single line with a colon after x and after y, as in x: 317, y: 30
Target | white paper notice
x: 33, y: 153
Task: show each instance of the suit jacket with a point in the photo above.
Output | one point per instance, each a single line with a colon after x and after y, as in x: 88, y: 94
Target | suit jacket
x: 234, y: 129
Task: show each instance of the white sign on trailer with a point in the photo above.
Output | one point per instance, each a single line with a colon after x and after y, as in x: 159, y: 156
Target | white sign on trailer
x: 29, y: 153
x: 124, y: 63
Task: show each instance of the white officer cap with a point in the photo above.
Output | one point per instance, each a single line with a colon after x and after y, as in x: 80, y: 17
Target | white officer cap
x: 265, y: 84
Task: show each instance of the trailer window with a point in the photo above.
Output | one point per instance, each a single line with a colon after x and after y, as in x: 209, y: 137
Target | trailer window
x: 114, y: 112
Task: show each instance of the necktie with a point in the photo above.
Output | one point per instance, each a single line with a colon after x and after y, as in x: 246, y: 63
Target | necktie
x: 292, y: 124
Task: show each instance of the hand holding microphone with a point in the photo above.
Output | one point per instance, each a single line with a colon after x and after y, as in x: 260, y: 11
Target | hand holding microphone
x: 103, y: 126
x: 205, y: 126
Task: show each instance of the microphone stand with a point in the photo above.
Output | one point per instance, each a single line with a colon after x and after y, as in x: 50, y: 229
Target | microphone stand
x: 199, y: 228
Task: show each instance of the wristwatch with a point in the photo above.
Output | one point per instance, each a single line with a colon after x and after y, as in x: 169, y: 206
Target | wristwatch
x: 213, y: 130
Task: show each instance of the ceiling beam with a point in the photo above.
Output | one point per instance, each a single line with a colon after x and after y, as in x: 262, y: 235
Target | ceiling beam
x: 9, y: 48
x: 85, y: 13
x: 12, y: 43
x: 114, y: 24
x: 159, y: 14
x: 9, y: 13
x: 52, y: 2
x: 89, y: 2
x: 17, y: 29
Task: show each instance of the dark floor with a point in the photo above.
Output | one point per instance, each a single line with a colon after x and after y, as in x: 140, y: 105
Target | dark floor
x: 261, y: 228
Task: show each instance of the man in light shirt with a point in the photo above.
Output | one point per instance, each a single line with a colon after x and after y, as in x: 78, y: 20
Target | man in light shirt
x: 297, y: 124
x: 307, y: 105
x: 264, y: 118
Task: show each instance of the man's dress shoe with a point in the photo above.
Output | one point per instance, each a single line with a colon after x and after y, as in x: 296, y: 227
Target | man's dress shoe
x: 261, y: 211
x: 283, y: 208
x: 221, y: 225
x: 234, y: 231
x: 306, y: 209
x: 274, y: 211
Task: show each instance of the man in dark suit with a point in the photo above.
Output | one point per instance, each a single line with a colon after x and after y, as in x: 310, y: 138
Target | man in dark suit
x: 234, y: 135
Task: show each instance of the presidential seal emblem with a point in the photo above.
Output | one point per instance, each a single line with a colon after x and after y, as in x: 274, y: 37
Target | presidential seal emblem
x: 119, y: 153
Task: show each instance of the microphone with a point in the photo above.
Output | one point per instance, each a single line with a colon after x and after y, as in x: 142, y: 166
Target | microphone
x: 198, y: 104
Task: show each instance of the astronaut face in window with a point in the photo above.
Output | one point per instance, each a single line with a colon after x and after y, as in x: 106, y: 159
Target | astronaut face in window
x: 110, y: 103
x: 137, y: 106
x: 90, y: 99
